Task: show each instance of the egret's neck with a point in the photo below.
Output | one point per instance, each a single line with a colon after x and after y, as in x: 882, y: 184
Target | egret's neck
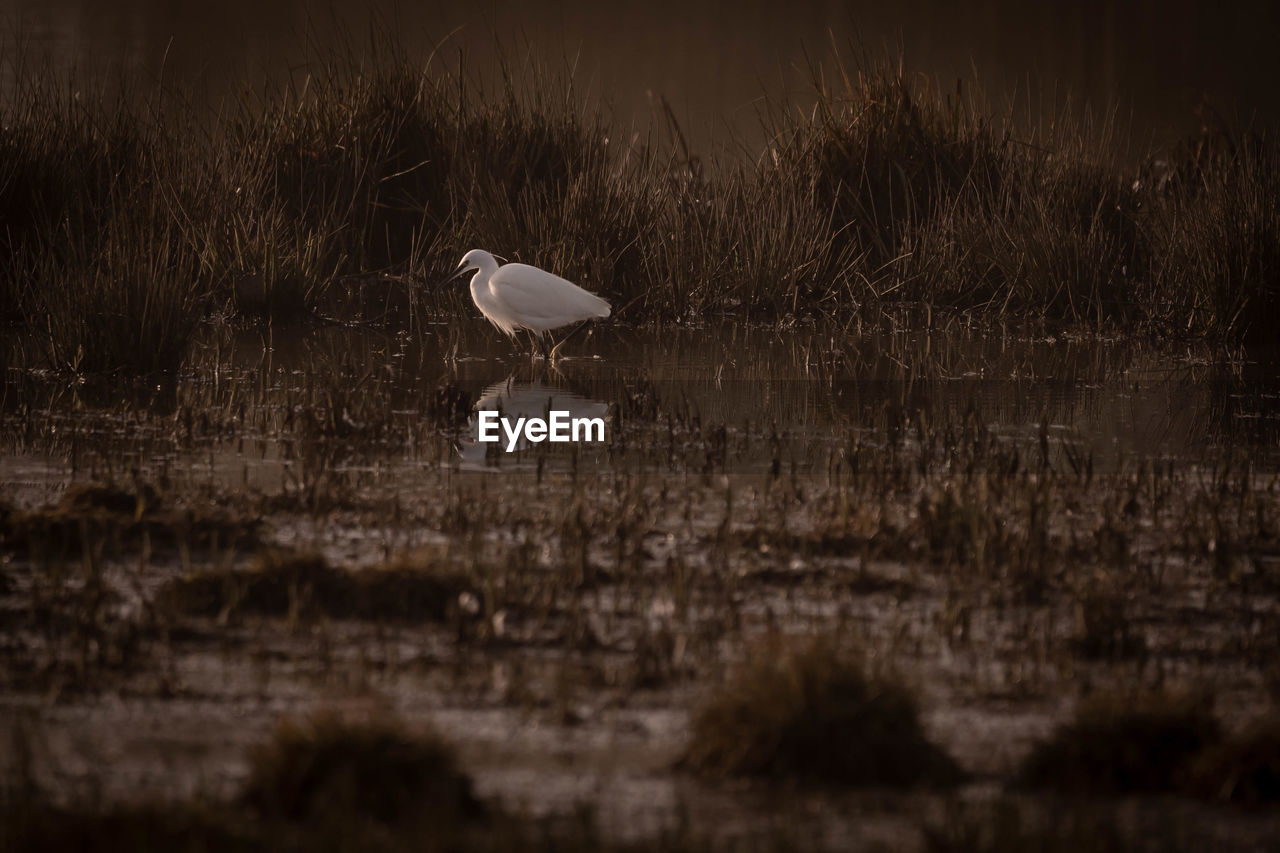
x: 485, y: 267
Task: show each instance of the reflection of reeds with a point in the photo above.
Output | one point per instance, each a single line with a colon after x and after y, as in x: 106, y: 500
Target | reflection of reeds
x: 123, y: 227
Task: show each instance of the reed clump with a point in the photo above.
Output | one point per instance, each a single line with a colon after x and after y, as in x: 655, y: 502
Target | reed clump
x: 806, y: 713
x: 1244, y: 769
x: 94, y: 263
x: 326, y: 768
x: 1119, y: 744
x: 1214, y: 234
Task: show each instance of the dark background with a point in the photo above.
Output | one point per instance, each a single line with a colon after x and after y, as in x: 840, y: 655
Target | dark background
x: 1160, y: 68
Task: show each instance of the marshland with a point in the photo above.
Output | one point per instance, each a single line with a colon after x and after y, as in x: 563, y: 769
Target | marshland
x: 939, y: 506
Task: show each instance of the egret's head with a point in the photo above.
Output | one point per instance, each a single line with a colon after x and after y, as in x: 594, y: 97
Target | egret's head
x: 474, y: 260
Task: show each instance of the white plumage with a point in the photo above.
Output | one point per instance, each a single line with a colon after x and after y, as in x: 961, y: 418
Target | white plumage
x: 518, y: 296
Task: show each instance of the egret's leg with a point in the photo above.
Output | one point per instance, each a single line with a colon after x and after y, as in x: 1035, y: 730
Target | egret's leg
x: 532, y: 341
x: 542, y: 345
x: 567, y: 337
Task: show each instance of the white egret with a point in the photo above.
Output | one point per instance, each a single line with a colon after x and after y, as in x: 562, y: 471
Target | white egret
x: 518, y: 296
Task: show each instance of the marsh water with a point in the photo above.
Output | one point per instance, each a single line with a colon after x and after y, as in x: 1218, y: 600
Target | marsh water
x: 801, y: 392
x: 620, y: 579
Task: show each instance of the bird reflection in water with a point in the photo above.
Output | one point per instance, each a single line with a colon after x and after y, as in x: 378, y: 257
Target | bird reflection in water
x: 515, y: 400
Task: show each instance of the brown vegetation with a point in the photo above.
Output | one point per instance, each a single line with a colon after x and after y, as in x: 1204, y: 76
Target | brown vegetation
x: 810, y: 714
x: 124, y: 228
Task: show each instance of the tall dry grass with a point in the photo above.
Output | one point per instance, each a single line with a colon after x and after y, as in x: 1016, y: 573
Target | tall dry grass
x: 126, y: 222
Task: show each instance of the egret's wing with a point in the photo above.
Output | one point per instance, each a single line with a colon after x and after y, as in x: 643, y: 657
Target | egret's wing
x: 541, y: 300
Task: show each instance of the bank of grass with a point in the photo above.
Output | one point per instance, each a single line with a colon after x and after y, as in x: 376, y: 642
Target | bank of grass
x: 107, y: 519
x: 371, y: 783
x: 126, y: 222
x: 304, y: 585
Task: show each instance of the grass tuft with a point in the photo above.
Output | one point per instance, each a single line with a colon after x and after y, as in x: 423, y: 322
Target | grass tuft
x: 1123, y: 744
x: 328, y: 770
x: 809, y: 714
x: 1244, y: 769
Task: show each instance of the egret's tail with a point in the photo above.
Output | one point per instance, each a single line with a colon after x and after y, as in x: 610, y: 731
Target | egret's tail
x: 603, y: 308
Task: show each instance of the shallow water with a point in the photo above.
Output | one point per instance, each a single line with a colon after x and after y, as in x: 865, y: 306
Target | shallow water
x: 798, y: 395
